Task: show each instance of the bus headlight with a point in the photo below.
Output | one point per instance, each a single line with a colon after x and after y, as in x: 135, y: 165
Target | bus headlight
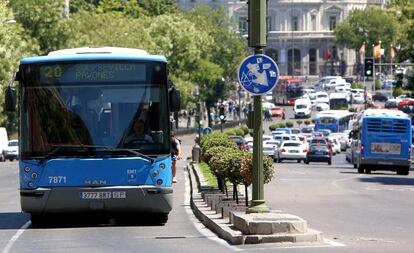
x: 34, y: 175
x: 159, y: 181
x: 162, y: 166
x: 30, y: 184
x: 27, y: 169
x: 155, y: 173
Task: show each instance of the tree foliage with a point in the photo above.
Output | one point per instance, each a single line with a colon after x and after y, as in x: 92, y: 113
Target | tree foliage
x: 403, y: 10
x: 199, y: 46
x: 14, y: 44
x: 370, y: 25
x: 44, y: 21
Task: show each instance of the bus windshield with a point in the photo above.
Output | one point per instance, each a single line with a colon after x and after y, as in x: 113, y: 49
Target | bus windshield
x: 94, y: 104
x: 295, y: 90
x: 338, y: 103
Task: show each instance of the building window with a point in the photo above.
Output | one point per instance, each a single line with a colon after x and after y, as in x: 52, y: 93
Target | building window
x: 242, y: 24
x: 313, y: 23
x: 295, y: 24
x: 332, y: 23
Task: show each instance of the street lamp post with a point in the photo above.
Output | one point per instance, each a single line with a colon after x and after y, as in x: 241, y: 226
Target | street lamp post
x: 240, y: 108
x: 196, y: 151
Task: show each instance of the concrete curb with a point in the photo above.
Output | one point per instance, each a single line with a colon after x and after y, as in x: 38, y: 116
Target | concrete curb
x: 204, y: 202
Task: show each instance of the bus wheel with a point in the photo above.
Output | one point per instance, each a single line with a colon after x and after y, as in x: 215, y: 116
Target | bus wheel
x: 360, y: 169
x: 160, y: 218
x: 38, y: 220
x: 403, y: 171
x: 367, y: 171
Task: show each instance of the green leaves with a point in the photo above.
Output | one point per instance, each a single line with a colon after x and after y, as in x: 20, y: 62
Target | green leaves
x: 199, y: 46
x: 371, y: 25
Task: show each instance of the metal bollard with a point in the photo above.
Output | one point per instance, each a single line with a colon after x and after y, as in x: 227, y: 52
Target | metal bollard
x: 196, y: 153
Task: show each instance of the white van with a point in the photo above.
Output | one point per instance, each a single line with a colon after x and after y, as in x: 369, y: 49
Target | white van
x: 4, y: 142
x: 325, y: 80
x: 303, y: 108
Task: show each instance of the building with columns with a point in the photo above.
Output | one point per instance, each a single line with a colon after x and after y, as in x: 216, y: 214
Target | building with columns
x: 300, y: 33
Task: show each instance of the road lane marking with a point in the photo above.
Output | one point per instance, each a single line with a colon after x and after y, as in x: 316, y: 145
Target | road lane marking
x: 335, y: 182
x: 389, y: 189
x: 207, y: 233
x: 16, y: 237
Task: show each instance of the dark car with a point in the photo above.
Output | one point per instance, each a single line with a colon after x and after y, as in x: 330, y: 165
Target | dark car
x: 391, y: 104
x: 381, y: 97
x: 319, y: 140
x: 319, y: 153
x: 240, y: 142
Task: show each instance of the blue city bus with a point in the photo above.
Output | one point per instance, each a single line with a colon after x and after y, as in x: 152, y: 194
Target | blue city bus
x: 334, y: 120
x: 77, y: 109
x: 381, y: 140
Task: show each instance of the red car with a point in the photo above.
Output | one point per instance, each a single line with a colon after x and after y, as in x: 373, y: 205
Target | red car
x: 278, y: 112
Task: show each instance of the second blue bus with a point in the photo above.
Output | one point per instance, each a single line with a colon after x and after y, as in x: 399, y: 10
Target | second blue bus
x: 381, y: 140
x: 334, y: 120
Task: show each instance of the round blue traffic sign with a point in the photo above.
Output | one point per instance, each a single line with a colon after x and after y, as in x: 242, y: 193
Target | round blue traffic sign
x: 258, y: 74
x: 207, y: 130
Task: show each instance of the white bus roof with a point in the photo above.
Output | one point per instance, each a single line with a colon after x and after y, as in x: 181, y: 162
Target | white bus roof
x: 338, y: 113
x: 384, y: 113
x: 338, y: 95
x: 99, y: 50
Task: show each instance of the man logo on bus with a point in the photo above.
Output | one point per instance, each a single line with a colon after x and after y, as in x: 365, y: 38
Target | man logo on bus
x: 95, y: 182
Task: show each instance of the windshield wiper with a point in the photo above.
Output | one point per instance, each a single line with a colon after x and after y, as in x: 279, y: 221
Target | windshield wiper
x: 58, y: 148
x: 151, y: 160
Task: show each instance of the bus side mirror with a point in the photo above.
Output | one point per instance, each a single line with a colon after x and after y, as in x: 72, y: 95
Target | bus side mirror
x: 10, y: 99
x: 174, y: 99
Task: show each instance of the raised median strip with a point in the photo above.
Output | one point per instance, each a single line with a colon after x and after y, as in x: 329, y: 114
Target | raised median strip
x: 229, y: 221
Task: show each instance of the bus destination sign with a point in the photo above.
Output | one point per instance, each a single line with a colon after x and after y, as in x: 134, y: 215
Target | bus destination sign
x: 92, y: 72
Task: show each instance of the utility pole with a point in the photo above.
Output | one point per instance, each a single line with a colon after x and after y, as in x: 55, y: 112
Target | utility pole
x: 257, y: 10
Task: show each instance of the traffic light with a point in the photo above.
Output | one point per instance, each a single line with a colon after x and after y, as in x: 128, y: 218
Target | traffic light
x: 369, y: 67
x: 222, y: 115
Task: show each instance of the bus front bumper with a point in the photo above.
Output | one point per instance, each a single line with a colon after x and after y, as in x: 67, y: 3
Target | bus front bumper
x: 115, y: 199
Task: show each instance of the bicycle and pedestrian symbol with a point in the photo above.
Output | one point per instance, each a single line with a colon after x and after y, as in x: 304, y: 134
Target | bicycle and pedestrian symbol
x: 258, y: 74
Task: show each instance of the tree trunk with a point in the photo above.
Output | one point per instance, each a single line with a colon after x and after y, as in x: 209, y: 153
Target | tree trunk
x: 246, y: 195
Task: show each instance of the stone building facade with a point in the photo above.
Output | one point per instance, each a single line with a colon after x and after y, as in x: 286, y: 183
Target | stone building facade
x: 300, y: 33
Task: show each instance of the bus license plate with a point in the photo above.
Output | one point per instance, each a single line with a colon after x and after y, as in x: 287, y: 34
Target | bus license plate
x: 103, y: 195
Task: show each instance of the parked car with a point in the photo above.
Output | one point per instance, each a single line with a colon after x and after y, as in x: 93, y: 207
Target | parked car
x: 388, y: 84
x: 295, y: 131
x: 322, y: 97
x: 358, y: 98
x: 11, y: 152
x: 319, y: 153
x: 270, y: 149
x: 278, y: 112
x: 381, y: 96
x: 343, y: 140
x: 322, y: 107
x: 240, y: 142
x: 291, y: 150
x: 4, y: 140
x: 336, y: 146
x: 391, y: 104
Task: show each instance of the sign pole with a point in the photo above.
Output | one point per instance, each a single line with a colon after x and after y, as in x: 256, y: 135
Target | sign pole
x: 257, y: 39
